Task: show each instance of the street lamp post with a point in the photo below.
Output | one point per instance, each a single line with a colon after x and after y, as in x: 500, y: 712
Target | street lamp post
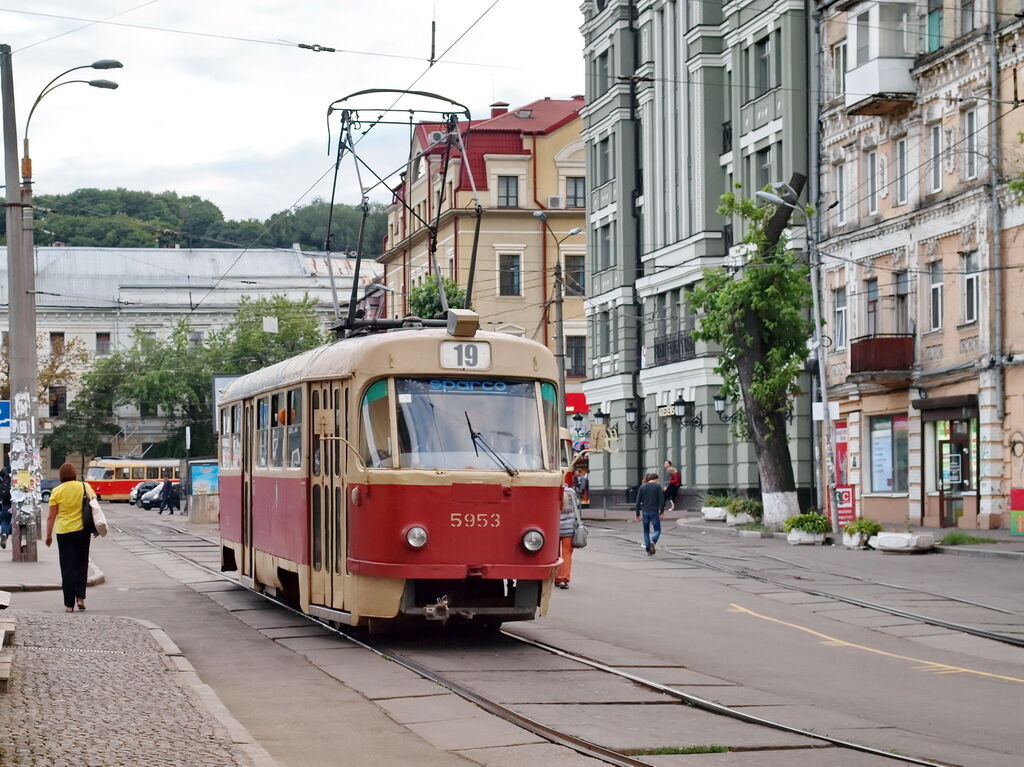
x: 558, y: 300
x: 25, y: 464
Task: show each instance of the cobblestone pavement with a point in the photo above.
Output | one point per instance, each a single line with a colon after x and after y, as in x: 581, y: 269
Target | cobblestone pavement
x: 98, y: 691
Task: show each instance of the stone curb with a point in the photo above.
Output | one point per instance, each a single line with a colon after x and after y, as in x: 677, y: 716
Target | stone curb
x: 961, y: 551
x: 240, y: 737
x: 94, y: 578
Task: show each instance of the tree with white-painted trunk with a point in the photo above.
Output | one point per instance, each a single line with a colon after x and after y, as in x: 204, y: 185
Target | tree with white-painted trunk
x: 758, y: 315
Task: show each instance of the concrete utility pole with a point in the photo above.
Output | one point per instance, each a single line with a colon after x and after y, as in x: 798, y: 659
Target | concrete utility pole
x: 25, y: 468
x: 560, y: 338
x: 557, y: 301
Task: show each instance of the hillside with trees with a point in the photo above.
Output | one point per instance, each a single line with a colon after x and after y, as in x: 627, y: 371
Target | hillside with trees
x: 121, y: 218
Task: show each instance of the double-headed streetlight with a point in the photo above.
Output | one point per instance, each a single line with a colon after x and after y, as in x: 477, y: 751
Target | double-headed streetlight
x: 22, y: 306
x: 559, y: 297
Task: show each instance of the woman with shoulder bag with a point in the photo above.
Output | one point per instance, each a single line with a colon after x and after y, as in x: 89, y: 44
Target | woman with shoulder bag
x: 66, y: 520
x: 567, y: 525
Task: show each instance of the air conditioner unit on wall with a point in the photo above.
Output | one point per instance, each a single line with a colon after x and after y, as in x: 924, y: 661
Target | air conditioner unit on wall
x: 555, y: 201
x: 437, y: 136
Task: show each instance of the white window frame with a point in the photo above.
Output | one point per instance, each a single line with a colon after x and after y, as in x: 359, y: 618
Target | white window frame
x: 902, y: 167
x: 871, y: 171
x: 839, y: 69
x: 839, y: 318
x: 971, y: 282
x: 841, y: 194
x: 935, y: 152
x: 971, y: 144
x: 519, y: 271
x: 935, y: 295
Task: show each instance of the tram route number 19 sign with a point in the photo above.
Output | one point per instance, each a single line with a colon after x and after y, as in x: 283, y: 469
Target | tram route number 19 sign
x: 465, y: 355
x: 846, y: 505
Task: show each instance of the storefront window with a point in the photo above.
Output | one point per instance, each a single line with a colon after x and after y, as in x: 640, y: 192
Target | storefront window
x: 889, y: 462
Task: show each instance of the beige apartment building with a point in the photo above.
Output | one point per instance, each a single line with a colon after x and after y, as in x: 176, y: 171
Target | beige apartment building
x: 521, y: 162
x: 920, y: 238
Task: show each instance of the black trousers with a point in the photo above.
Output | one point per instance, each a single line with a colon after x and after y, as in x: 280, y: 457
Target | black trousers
x: 73, y: 549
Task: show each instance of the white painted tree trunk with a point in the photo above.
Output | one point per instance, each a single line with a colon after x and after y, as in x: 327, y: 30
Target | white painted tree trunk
x: 778, y: 507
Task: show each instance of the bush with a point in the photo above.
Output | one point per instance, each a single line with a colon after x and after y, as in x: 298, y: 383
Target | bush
x: 863, y: 526
x: 958, y: 538
x: 808, y: 523
x: 745, y: 506
x: 716, y: 500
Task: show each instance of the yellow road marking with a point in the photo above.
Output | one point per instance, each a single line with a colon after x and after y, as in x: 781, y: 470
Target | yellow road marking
x: 922, y: 665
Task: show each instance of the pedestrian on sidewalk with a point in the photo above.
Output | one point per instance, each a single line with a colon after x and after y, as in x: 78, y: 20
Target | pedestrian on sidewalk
x: 165, y: 496
x: 72, y: 538
x: 671, y: 486
x: 566, y: 531
x: 650, y: 506
x: 5, y: 505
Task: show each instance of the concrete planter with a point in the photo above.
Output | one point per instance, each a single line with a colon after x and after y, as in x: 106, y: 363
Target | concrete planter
x: 902, y: 542
x: 713, y: 513
x: 855, y: 540
x: 738, y: 519
x: 801, y: 538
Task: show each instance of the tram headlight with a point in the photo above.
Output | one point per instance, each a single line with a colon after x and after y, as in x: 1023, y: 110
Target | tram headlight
x: 416, y: 537
x: 533, y: 540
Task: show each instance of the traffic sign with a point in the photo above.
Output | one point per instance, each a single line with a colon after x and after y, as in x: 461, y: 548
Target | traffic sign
x: 5, y: 420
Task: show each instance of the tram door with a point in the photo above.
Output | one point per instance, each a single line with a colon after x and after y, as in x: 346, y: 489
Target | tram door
x: 248, y: 432
x: 326, y: 518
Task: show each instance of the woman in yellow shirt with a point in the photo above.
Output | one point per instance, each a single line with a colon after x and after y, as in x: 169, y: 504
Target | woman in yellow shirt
x: 72, y: 537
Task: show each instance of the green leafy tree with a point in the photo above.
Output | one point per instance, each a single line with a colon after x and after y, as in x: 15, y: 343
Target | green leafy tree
x: 244, y: 346
x: 175, y: 375
x: 759, y: 318
x: 425, y: 301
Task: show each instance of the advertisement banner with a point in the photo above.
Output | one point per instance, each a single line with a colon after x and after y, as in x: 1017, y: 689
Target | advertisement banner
x: 205, y: 479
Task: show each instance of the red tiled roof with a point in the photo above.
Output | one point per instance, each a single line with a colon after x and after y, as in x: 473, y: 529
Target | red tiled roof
x: 503, y: 134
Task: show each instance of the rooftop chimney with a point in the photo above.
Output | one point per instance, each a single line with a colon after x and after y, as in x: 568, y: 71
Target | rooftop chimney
x: 499, y: 108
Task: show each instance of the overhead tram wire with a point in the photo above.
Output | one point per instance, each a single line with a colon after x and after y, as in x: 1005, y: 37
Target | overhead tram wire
x: 85, y: 26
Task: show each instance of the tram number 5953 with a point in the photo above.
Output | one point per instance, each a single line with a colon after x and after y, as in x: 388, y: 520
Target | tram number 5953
x: 479, y: 519
x: 463, y: 355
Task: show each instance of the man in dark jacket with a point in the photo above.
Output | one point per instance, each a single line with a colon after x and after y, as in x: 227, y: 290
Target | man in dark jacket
x: 165, y: 496
x: 650, y: 504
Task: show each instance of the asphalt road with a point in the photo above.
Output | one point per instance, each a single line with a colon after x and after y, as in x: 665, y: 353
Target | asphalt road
x: 851, y: 672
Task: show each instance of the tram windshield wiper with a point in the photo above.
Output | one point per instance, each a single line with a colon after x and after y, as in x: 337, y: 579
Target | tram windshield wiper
x: 480, y: 442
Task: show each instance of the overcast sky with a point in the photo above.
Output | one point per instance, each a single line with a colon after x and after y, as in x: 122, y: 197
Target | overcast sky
x: 217, y: 100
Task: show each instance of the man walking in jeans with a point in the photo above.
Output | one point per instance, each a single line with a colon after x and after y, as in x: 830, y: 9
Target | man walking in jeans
x: 650, y: 504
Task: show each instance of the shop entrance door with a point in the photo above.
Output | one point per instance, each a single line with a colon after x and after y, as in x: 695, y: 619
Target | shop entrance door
x: 954, y: 473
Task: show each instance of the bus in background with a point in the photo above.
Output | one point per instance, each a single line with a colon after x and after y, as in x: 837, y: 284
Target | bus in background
x: 114, y: 478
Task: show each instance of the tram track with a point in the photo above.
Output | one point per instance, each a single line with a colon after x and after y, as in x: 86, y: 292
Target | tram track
x: 508, y: 714
x: 710, y: 562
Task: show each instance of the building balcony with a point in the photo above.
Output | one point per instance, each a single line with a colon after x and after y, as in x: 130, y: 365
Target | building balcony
x: 882, y: 353
x: 880, y: 86
x: 674, y: 347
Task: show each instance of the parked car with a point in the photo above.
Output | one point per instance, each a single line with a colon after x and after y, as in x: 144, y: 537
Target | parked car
x: 140, y: 490
x: 152, y: 498
x: 46, y: 487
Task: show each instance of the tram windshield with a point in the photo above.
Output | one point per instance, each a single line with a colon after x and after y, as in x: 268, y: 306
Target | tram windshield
x: 438, y: 417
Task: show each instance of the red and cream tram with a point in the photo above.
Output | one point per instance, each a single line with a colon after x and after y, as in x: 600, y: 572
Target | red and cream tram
x: 400, y: 474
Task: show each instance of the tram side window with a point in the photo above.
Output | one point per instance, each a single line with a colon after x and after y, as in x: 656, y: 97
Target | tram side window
x: 236, y: 436
x: 375, y: 426
x: 152, y: 472
x: 263, y: 431
x: 549, y: 400
x: 124, y: 472
x: 277, y: 436
x: 295, y: 428
x: 225, y: 438
x: 138, y: 472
